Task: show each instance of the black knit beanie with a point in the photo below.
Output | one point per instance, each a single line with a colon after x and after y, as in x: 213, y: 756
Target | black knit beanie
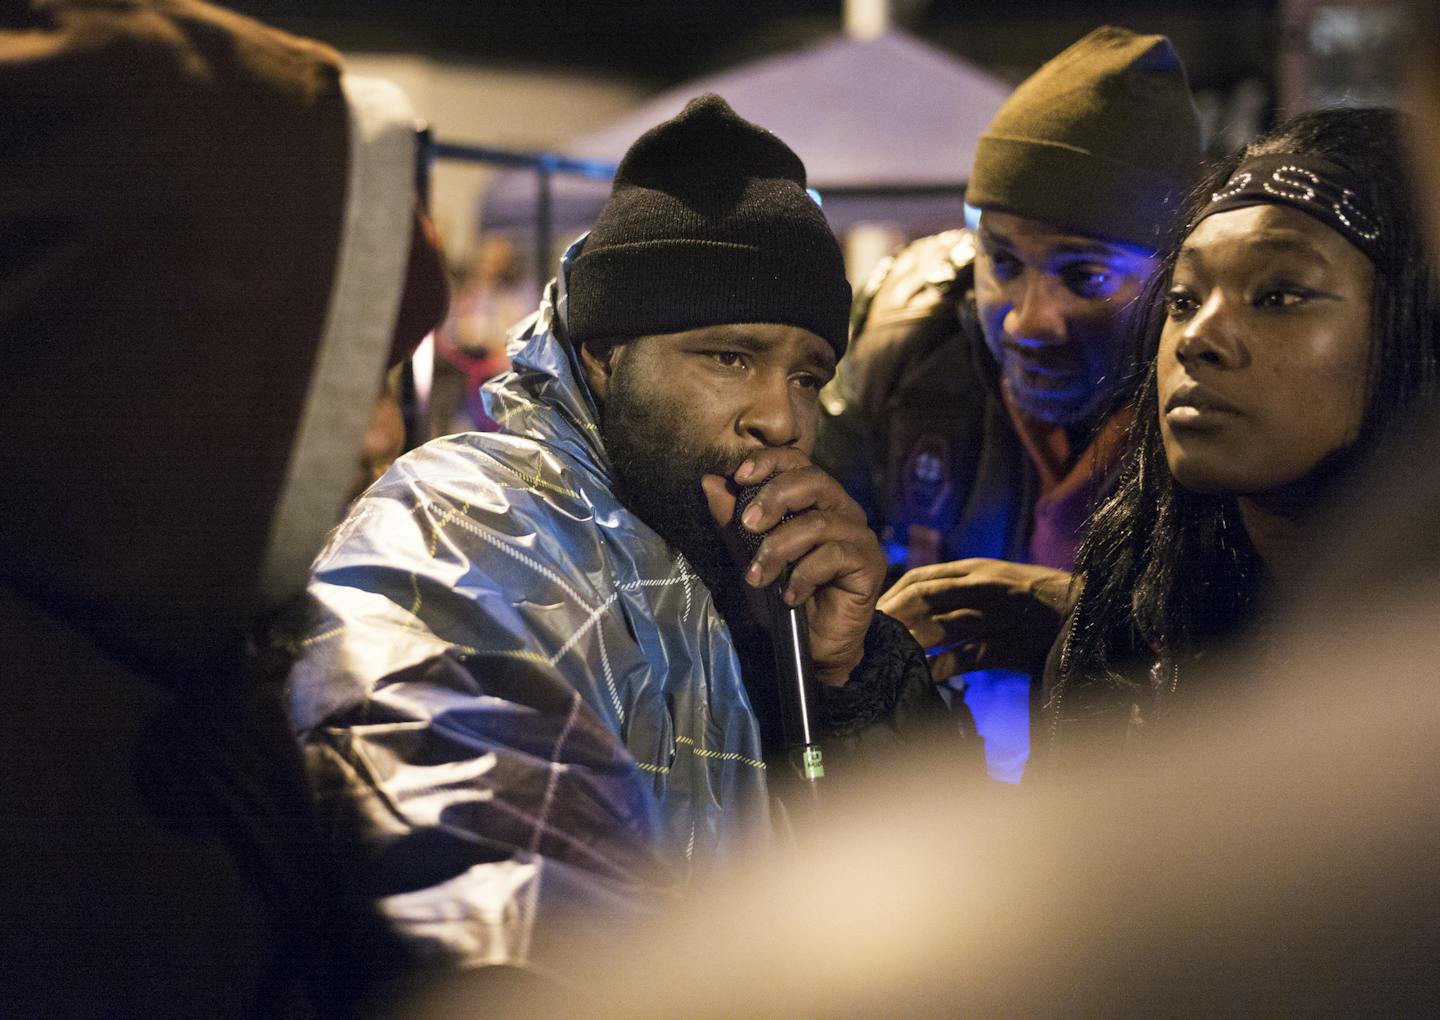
x: 1103, y: 140
x: 708, y: 223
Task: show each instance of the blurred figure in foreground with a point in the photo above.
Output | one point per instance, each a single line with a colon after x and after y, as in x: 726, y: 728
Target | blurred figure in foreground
x: 208, y: 251
x: 1277, y: 860
x: 979, y: 404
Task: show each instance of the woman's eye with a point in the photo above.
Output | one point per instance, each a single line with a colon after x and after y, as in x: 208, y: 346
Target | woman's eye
x: 1089, y: 281
x: 1179, y: 303
x: 1279, y: 297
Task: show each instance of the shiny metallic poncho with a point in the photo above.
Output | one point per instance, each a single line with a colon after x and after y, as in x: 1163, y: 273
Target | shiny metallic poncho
x: 533, y: 701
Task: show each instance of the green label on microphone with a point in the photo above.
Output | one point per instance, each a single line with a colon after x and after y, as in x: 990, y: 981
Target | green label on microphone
x: 812, y: 765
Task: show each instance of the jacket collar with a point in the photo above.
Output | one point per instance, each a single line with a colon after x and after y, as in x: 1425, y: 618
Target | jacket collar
x: 544, y: 396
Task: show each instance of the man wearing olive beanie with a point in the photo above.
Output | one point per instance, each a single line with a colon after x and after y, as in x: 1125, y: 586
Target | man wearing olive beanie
x: 1102, y: 141
x: 975, y: 416
x: 534, y: 648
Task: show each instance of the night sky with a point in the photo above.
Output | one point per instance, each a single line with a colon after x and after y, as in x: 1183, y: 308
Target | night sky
x: 661, y: 42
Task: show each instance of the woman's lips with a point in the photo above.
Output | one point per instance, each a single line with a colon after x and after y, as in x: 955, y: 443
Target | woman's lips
x: 1194, y: 407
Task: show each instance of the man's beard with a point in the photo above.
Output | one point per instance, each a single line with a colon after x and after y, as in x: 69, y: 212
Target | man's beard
x: 657, y: 476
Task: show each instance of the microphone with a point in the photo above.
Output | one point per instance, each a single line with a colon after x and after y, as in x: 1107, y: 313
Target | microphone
x: 794, y: 671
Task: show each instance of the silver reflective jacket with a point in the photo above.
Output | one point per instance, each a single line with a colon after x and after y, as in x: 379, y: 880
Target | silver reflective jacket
x: 530, y: 702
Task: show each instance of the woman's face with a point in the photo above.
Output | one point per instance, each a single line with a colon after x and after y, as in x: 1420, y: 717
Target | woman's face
x: 1265, y: 352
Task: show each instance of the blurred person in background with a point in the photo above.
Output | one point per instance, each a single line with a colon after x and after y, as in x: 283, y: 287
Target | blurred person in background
x: 209, y: 250
x: 538, y: 678
x: 1296, y: 327
x: 492, y: 296
x: 980, y: 412
x: 384, y: 436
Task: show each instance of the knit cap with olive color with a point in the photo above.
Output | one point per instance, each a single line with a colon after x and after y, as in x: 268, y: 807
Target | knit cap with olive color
x: 1103, y: 140
x: 708, y: 223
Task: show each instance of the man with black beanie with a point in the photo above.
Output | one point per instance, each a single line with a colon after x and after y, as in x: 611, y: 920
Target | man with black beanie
x: 976, y: 416
x: 538, y: 680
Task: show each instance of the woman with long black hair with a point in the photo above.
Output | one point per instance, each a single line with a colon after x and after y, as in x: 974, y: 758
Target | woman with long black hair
x: 1294, y: 328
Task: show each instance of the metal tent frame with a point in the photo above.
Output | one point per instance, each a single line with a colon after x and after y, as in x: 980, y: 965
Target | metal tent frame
x: 545, y: 165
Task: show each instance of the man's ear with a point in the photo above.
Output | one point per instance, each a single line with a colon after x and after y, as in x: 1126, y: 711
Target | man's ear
x: 597, y: 359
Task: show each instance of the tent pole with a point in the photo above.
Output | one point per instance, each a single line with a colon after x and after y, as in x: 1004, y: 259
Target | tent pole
x: 544, y: 219
x: 867, y: 19
x: 415, y: 406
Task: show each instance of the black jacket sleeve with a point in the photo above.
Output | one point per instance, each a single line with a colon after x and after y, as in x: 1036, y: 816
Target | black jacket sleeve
x: 890, y: 705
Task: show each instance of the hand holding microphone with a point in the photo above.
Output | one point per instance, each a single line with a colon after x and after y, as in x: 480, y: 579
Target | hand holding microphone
x: 836, y: 567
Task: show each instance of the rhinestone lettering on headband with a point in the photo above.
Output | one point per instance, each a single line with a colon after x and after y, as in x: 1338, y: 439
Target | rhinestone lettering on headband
x: 1308, y: 183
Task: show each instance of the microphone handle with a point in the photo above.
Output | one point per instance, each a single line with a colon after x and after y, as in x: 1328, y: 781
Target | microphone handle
x: 794, y: 670
x: 794, y: 676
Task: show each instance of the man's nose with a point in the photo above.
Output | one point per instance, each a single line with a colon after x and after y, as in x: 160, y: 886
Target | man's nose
x: 770, y: 414
x: 1037, y: 315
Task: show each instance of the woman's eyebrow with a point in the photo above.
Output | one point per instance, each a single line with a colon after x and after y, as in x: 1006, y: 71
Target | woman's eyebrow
x: 1293, y: 246
x: 1279, y: 245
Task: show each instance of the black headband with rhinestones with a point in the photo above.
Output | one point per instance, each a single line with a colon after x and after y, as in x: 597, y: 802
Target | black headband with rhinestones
x: 1313, y: 185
